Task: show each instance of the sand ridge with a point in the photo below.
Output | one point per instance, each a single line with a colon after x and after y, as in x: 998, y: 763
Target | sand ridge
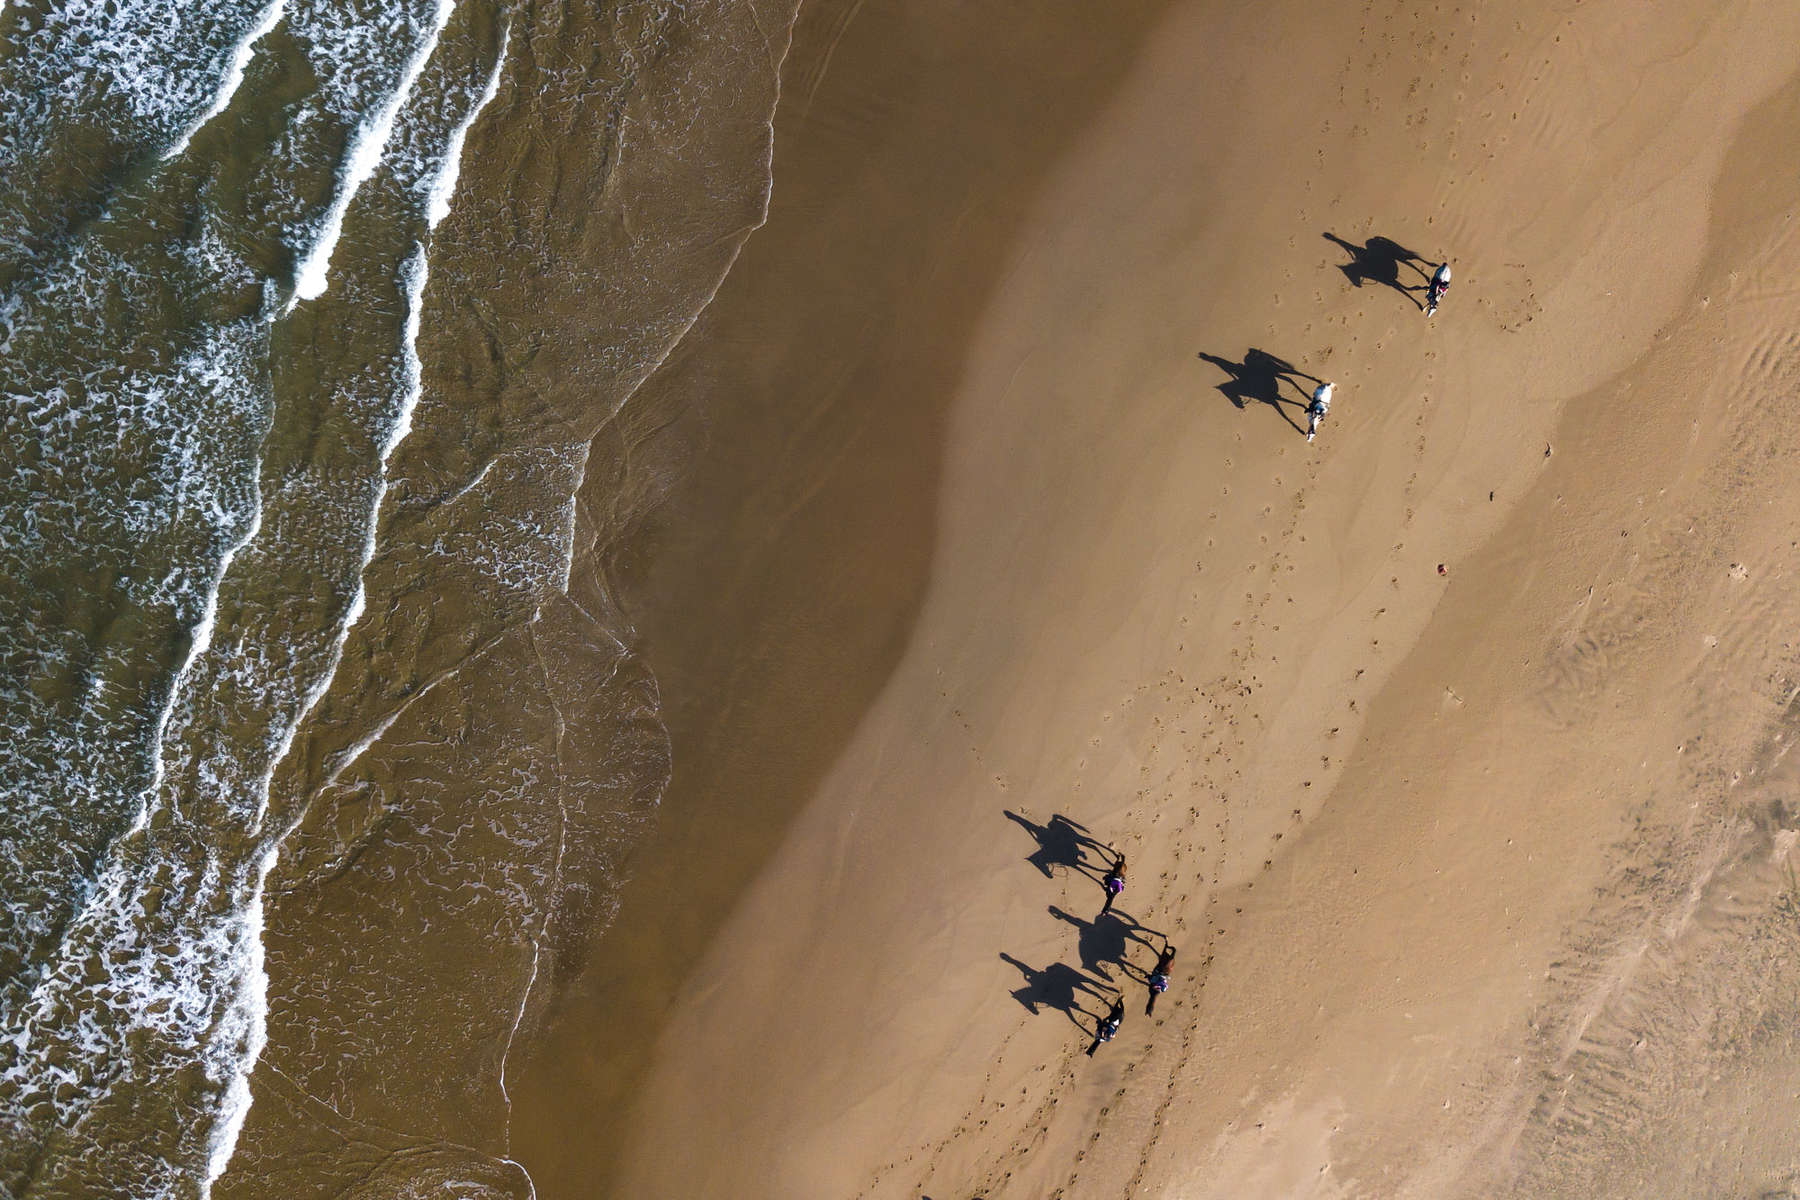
x: 1373, y: 804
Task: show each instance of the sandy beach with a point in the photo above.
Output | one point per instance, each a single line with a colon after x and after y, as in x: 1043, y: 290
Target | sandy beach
x: 1448, y: 749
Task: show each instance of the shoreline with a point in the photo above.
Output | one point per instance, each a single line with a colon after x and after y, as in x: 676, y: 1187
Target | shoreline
x: 776, y: 586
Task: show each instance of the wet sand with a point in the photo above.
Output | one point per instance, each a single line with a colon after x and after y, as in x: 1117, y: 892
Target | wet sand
x: 775, y: 588
x: 1478, y: 877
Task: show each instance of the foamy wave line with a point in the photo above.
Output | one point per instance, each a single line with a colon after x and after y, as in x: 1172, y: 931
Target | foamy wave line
x: 366, y: 146
x: 414, y: 274
x: 437, y: 205
x: 249, y: 1011
x: 562, y: 843
x: 213, y: 375
x: 649, y: 370
x: 568, y: 562
x: 239, y: 1036
x: 233, y: 77
x: 571, y: 514
x: 248, y: 1017
x: 164, y: 995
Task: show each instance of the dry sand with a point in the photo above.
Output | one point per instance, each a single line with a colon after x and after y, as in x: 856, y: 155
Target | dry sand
x: 1478, y: 878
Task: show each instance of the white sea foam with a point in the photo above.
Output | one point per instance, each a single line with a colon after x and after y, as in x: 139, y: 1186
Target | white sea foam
x: 414, y: 274
x: 170, y: 947
x: 233, y: 77
x: 212, y: 369
x: 247, y: 1023
x: 470, y: 486
x: 160, y: 988
x: 152, y: 63
x: 530, y: 1184
x: 443, y: 187
x: 150, y: 946
x: 360, y: 161
x: 570, y: 515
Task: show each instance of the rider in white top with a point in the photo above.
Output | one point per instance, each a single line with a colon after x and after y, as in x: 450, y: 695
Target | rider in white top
x: 1315, y: 412
x: 1440, y: 283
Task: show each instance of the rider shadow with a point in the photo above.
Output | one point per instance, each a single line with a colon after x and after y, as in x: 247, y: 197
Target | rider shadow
x: 1058, y: 987
x: 1259, y: 377
x: 1379, y: 260
x: 1103, y: 942
x: 1061, y: 843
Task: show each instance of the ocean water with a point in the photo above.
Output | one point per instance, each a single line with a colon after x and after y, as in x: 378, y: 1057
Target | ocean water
x: 324, y: 741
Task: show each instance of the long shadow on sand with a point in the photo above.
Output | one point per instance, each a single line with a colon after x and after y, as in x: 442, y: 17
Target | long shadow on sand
x: 1062, y: 842
x: 1379, y: 260
x: 1057, y: 987
x: 1102, y: 943
x: 1260, y: 377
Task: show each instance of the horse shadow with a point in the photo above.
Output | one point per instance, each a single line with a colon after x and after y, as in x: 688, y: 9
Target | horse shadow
x: 1057, y: 987
x: 1260, y: 377
x: 1062, y: 842
x: 1379, y: 260
x: 1103, y: 942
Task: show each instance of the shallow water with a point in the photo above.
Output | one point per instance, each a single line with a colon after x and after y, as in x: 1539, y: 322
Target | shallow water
x: 320, y: 755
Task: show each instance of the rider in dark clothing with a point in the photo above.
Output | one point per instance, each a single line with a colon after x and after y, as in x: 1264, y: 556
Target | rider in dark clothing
x: 1159, y: 977
x: 1114, y: 883
x: 1109, y: 1025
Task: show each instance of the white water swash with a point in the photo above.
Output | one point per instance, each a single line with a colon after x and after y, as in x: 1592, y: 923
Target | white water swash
x: 247, y: 558
x: 139, y: 951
